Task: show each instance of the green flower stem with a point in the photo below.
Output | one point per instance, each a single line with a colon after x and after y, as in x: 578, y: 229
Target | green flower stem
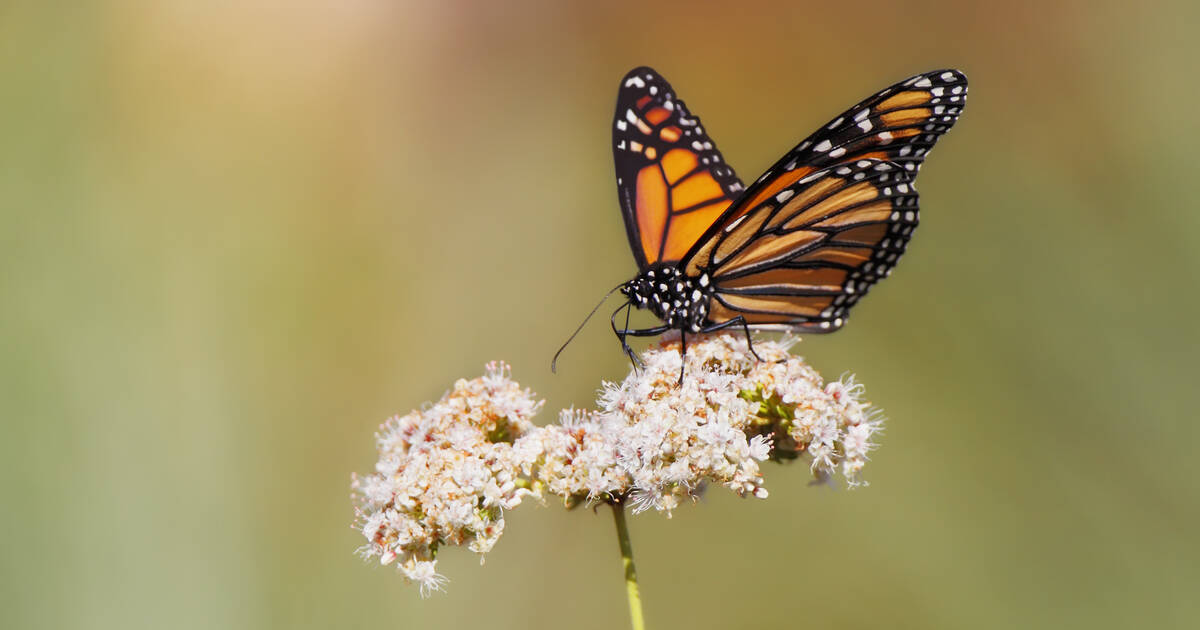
x: 631, y: 583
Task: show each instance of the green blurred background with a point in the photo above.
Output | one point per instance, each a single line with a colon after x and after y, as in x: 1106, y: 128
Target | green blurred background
x: 237, y: 236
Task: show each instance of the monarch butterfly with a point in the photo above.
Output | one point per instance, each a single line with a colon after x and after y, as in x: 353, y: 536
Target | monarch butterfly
x: 794, y: 250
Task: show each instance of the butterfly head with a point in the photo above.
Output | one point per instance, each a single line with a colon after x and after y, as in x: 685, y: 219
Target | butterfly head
x: 679, y: 300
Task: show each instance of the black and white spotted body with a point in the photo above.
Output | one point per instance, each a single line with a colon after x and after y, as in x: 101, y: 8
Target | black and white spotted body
x: 679, y: 300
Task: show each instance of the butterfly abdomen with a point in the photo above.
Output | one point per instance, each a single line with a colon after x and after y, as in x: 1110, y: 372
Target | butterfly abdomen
x: 679, y: 300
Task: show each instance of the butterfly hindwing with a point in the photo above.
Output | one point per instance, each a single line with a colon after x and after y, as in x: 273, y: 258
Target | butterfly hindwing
x: 800, y: 259
x: 672, y: 181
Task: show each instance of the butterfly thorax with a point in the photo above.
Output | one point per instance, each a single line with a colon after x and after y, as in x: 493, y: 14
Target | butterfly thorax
x: 679, y: 300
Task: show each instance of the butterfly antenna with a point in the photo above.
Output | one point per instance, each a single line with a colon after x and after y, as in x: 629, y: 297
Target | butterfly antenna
x: 554, y: 361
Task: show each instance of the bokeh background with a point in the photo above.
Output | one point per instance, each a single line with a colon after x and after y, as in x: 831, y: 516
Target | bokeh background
x: 237, y: 236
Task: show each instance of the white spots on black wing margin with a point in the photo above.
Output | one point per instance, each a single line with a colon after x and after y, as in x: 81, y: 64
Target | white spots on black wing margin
x: 810, y: 177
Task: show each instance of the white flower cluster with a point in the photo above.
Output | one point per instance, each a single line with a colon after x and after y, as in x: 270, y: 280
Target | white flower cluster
x: 657, y: 441
x: 446, y: 474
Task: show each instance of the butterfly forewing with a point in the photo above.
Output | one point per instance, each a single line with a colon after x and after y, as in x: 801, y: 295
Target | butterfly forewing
x: 898, y: 124
x: 672, y: 181
x: 801, y: 258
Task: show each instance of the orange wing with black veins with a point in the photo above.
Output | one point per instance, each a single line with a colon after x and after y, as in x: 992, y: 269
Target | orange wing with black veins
x: 672, y: 181
x: 899, y: 124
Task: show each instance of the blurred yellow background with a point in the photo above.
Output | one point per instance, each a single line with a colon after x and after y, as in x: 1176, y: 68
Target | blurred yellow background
x: 237, y: 236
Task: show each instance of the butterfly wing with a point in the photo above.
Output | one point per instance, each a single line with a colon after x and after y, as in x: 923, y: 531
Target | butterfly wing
x: 801, y: 258
x: 672, y: 181
x: 899, y: 124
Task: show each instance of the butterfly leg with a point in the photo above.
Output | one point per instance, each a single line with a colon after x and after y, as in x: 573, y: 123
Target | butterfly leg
x: 739, y: 320
x: 682, y: 355
x: 633, y: 357
x: 629, y: 351
x: 643, y: 332
x: 654, y: 332
x: 622, y: 333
